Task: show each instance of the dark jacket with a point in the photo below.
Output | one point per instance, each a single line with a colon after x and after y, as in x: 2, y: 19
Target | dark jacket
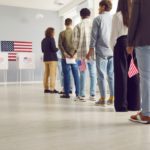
x: 139, y: 30
x: 49, y: 49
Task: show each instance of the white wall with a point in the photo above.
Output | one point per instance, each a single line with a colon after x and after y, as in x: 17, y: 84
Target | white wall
x: 26, y: 25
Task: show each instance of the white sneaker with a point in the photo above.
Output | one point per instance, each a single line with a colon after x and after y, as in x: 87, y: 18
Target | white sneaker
x: 92, y: 98
x: 77, y: 98
x: 82, y: 98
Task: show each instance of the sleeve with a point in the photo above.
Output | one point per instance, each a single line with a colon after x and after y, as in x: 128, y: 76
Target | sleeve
x: 94, y: 33
x: 60, y: 43
x: 114, y: 31
x: 133, y: 22
x: 53, y: 45
x: 42, y: 46
x: 76, y: 37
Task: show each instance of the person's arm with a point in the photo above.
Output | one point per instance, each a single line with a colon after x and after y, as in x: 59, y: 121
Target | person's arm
x: 42, y: 46
x: 133, y: 25
x: 60, y: 43
x: 76, y: 37
x: 114, y: 31
x: 94, y: 35
x: 53, y: 45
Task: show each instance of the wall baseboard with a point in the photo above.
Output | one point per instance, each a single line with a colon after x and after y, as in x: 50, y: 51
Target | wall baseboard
x: 22, y: 82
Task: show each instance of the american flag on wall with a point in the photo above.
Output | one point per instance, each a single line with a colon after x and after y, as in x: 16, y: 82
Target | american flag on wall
x: 14, y: 47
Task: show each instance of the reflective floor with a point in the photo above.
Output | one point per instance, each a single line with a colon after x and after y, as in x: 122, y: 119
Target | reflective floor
x: 30, y: 120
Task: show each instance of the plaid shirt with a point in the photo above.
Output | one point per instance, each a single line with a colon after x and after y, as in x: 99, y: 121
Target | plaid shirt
x: 81, y: 38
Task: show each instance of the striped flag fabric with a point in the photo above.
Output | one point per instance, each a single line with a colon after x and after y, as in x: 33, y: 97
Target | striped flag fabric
x: 132, y: 69
x: 14, y: 47
x: 82, y: 65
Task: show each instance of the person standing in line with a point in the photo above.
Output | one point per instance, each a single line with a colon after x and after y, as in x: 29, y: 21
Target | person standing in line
x: 139, y: 38
x: 81, y: 40
x: 127, y: 90
x: 50, y: 60
x: 68, y: 51
x: 100, y: 40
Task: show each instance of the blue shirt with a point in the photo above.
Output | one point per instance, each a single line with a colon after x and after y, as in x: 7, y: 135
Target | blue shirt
x: 100, y: 35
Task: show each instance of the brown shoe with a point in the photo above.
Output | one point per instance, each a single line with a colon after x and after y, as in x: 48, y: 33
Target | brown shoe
x: 140, y: 118
x: 101, y: 101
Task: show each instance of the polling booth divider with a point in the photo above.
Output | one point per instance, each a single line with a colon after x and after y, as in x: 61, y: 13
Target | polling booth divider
x: 25, y: 61
x: 4, y: 66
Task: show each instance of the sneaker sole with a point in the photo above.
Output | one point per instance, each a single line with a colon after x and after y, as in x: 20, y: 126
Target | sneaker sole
x: 139, y: 121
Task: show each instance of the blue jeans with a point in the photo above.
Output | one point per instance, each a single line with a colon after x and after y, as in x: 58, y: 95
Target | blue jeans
x: 143, y: 58
x: 105, y: 69
x: 66, y: 70
x: 60, y: 72
x: 92, y: 72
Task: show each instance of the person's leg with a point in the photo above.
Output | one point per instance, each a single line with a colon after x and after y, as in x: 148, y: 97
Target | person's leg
x: 75, y: 73
x: 101, y: 64
x: 120, y: 76
x: 82, y: 83
x: 92, y: 74
x: 46, y: 76
x: 143, y: 57
x: 60, y: 73
x: 110, y: 73
x: 133, y: 89
x: 52, y: 68
x: 66, y: 72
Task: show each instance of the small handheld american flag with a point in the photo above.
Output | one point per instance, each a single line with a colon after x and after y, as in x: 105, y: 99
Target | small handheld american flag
x: 132, y: 69
x: 82, y: 66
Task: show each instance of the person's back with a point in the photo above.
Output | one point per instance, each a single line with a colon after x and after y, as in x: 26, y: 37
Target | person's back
x: 66, y: 40
x: 101, y: 34
x: 82, y: 40
x: 140, y: 34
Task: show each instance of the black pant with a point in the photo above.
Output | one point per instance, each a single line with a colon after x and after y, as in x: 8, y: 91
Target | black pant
x: 127, y: 90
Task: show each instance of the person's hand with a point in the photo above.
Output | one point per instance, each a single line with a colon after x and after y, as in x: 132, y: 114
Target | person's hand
x: 130, y: 49
x: 66, y: 55
x: 75, y: 56
x: 88, y: 56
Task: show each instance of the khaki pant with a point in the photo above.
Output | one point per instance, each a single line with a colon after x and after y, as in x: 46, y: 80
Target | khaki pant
x: 50, y: 71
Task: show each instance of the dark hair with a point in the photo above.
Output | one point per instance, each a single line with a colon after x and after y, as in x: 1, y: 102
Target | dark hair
x: 107, y: 4
x: 125, y: 7
x: 85, y: 12
x: 49, y: 32
x: 68, y: 21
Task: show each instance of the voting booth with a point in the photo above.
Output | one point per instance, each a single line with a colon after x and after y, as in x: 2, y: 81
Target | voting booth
x: 26, y: 61
x: 4, y: 65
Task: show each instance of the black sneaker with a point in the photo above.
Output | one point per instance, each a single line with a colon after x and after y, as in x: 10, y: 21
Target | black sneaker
x: 64, y: 96
x: 61, y: 92
x: 54, y: 91
x: 47, y: 91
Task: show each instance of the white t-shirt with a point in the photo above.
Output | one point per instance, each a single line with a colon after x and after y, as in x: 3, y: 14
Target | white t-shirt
x: 118, y: 29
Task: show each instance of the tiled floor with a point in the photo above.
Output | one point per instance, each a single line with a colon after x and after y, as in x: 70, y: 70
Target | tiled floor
x: 30, y: 120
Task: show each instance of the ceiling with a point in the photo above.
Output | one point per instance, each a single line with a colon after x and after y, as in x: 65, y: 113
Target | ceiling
x: 36, y: 4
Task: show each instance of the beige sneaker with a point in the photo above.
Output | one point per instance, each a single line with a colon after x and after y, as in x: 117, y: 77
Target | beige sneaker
x: 110, y: 101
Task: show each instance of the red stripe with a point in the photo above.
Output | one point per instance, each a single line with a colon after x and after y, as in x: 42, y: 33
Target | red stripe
x: 22, y: 45
x: 22, y: 48
x: 11, y: 59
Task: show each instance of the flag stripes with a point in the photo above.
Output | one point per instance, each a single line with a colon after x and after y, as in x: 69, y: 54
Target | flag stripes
x: 14, y: 47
